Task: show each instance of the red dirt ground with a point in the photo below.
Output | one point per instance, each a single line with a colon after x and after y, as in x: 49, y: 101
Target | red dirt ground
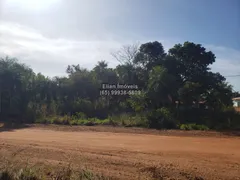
x: 126, y: 153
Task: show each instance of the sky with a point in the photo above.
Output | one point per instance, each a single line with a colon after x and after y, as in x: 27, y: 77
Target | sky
x: 48, y: 35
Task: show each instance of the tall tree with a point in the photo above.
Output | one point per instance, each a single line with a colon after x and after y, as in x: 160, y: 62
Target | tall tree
x: 192, y: 61
x: 150, y: 54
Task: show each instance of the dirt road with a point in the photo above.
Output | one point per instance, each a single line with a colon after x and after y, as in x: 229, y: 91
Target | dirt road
x: 127, y: 155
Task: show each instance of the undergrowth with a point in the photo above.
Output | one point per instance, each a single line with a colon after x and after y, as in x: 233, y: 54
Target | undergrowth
x: 121, y: 120
x: 193, y: 127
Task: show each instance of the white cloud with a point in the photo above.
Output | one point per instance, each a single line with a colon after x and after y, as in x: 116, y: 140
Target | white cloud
x: 51, y: 56
x: 227, y: 63
x: 32, y: 5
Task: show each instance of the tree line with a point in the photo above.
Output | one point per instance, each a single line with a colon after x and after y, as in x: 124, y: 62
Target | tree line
x: 177, y: 87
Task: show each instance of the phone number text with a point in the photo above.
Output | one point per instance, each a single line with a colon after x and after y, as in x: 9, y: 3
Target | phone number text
x: 119, y: 92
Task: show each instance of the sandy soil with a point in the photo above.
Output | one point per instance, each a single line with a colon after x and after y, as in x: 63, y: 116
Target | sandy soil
x: 126, y: 155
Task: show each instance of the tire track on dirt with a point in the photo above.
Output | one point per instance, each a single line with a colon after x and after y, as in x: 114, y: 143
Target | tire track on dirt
x: 126, y: 156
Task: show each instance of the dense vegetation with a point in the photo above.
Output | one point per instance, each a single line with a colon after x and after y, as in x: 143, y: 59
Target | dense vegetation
x: 178, y: 90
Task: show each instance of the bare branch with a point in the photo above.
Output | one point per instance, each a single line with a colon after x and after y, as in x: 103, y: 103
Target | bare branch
x: 126, y: 54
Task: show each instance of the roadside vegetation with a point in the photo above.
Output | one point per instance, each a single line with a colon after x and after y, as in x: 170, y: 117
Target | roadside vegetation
x: 153, y: 173
x: 16, y: 170
x: 63, y: 174
x: 178, y: 91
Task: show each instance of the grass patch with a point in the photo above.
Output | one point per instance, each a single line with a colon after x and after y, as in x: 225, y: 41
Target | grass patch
x: 63, y: 174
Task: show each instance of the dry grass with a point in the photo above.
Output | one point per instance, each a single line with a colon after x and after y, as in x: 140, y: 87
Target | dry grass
x: 66, y: 173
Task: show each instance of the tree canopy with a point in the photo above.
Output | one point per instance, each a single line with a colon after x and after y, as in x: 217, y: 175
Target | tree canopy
x: 166, y: 79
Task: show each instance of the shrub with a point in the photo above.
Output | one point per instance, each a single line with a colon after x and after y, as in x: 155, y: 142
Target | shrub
x: 128, y: 120
x: 139, y: 121
x: 193, y: 127
x: 161, y: 119
x: 185, y: 127
x: 81, y: 115
x: 102, y: 122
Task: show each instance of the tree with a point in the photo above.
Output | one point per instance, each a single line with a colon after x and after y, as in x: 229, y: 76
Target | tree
x: 126, y: 71
x: 182, y: 74
x: 192, y: 60
x: 150, y: 54
x: 127, y: 74
x: 190, y: 93
x: 126, y: 54
x: 101, y: 66
x: 15, y: 87
x: 220, y: 96
x: 236, y: 94
x: 161, y: 87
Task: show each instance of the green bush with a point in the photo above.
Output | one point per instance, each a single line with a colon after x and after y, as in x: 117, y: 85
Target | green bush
x: 161, y: 119
x: 193, y: 127
x: 226, y: 119
x: 128, y: 120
